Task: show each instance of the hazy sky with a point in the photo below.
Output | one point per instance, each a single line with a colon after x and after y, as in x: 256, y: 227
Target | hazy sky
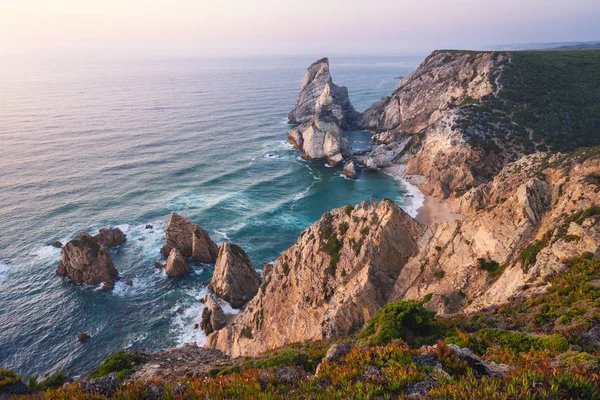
x: 292, y: 27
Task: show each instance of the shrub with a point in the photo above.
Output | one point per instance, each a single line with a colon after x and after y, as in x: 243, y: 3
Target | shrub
x: 348, y: 210
x: 493, y: 268
x: 8, y: 377
x: 440, y: 273
x: 400, y: 320
x: 528, y: 256
x: 121, y: 362
x: 51, y: 381
x: 246, y: 332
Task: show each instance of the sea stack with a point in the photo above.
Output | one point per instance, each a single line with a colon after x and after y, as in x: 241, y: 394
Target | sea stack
x: 85, y: 260
x: 189, y: 239
x: 235, y: 280
x: 318, y: 89
x: 176, y: 266
x: 110, y: 237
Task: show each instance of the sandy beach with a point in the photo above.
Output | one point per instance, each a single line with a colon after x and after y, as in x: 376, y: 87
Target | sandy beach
x: 426, y: 209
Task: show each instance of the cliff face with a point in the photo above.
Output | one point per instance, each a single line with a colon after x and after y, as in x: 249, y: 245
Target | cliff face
x: 462, y: 116
x: 517, y: 231
x: 334, y: 279
x: 318, y: 89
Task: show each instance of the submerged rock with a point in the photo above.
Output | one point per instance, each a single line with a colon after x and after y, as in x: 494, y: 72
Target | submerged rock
x: 318, y: 89
x: 82, y: 337
x: 85, y: 260
x: 235, y: 280
x: 57, y: 244
x: 213, y: 317
x: 189, y: 239
x: 110, y: 237
x: 176, y: 266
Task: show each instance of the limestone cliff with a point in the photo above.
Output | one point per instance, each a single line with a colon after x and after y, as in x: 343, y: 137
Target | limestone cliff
x: 318, y: 89
x: 334, y: 279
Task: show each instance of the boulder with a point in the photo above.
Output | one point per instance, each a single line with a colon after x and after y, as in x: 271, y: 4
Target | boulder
x: 85, y: 260
x: 110, y: 237
x: 57, y: 245
x: 335, y: 160
x: 318, y: 90
x: 189, y: 239
x: 176, y: 264
x: 235, y: 280
x: 350, y: 170
x: 480, y: 366
x: 213, y: 317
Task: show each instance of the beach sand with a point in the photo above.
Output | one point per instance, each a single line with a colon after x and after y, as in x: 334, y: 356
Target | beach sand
x: 426, y: 209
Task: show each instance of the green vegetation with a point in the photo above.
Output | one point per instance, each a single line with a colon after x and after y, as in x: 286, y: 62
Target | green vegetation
x: 9, y: 377
x: 493, y: 268
x: 401, y: 320
x: 50, y: 381
x: 552, y: 95
x: 246, y: 332
x: 122, y: 363
x: 348, y: 210
x: 439, y: 274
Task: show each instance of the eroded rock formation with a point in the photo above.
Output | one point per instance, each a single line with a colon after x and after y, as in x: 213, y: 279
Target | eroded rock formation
x: 235, y: 280
x: 189, y: 239
x: 85, y: 260
x: 177, y: 265
x: 337, y: 276
x: 110, y: 237
x: 213, y: 317
x: 318, y: 89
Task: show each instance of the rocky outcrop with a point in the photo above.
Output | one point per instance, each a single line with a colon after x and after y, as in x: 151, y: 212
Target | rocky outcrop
x: 110, y: 237
x: 189, y: 239
x: 337, y: 276
x: 350, y: 170
x: 213, y: 317
x: 318, y: 89
x: 320, y: 139
x: 235, y: 280
x: 420, y: 122
x: 176, y: 266
x: 85, y: 260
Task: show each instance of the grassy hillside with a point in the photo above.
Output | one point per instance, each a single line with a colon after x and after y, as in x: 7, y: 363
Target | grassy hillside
x: 551, y: 97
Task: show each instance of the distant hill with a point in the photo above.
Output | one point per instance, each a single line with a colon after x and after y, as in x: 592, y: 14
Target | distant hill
x: 582, y: 46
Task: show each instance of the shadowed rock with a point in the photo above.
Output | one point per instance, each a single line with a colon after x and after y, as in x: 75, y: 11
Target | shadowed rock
x: 235, y: 280
x: 110, y: 237
x: 85, y: 260
x: 176, y: 266
x: 213, y: 317
x: 189, y: 239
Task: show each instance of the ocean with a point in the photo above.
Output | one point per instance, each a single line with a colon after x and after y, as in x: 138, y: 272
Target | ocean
x: 125, y: 141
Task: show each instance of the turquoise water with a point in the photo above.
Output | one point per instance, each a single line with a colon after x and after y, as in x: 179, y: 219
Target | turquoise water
x: 90, y: 143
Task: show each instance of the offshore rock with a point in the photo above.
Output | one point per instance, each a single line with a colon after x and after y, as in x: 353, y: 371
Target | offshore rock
x: 334, y: 279
x: 318, y: 89
x: 213, y: 317
x: 189, y: 239
x: 110, y: 237
x: 85, y: 260
x: 235, y: 280
x: 350, y: 170
x: 320, y: 139
x: 176, y: 266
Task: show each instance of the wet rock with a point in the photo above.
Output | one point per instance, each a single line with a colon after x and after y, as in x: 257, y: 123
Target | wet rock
x: 235, y: 280
x: 213, y: 317
x: 110, y: 237
x: 148, y: 226
x: 177, y: 265
x: 129, y: 282
x: 350, y: 170
x: 158, y: 265
x: 57, y: 244
x: 180, y: 310
x: 82, y: 337
x: 85, y: 260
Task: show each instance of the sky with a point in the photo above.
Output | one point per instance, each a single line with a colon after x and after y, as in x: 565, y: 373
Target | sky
x: 270, y: 27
